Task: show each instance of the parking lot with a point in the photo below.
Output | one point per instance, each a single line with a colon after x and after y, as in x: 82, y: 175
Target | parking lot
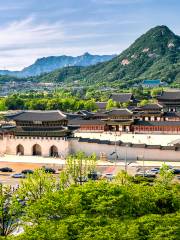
x: 19, y: 163
x: 6, y: 178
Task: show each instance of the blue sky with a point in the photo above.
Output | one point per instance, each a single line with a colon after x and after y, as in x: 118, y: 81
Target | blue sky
x: 30, y: 29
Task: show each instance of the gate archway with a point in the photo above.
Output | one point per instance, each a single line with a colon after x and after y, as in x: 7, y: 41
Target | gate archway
x: 36, y: 151
x: 53, y: 152
x: 20, y: 150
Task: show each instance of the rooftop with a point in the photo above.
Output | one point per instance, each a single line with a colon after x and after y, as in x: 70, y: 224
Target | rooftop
x: 101, y: 105
x: 121, y: 97
x: 151, y: 106
x: 170, y: 95
x: 37, y: 116
x: 78, y: 122
x: 152, y: 81
x: 119, y: 111
x: 158, y: 123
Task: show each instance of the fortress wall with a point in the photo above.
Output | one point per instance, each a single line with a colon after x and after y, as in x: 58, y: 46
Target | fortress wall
x: 10, y: 145
x: 131, y: 153
x: 3, y: 144
x: 149, y: 139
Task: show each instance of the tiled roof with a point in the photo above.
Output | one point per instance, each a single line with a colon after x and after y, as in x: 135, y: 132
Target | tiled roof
x: 170, y: 95
x: 158, y: 123
x: 119, y: 111
x: 171, y: 114
x: 152, y: 81
x: 101, y: 105
x: 121, y: 97
x: 151, y: 106
x: 37, y: 116
x: 78, y: 122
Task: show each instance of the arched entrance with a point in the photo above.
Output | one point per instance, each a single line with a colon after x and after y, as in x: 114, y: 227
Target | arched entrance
x: 20, y: 150
x: 36, y: 150
x: 53, y: 152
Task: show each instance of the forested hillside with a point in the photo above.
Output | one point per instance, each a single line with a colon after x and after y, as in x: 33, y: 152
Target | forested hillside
x: 156, y: 54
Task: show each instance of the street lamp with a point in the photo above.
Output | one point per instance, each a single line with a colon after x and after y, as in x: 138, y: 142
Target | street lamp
x: 115, y: 148
x: 141, y: 157
x: 126, y: 157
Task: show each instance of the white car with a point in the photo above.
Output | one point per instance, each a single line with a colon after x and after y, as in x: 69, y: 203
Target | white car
x: 108, y: 176
x: 18, y: 175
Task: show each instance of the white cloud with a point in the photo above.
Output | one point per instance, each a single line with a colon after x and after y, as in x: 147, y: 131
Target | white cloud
x: 112, y: 2
x: 24, y: 32
x: 22, y: 42
x: 18, y: 36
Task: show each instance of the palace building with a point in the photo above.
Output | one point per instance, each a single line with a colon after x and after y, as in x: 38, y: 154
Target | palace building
x: 170, y: 100
x: 36, y: 133
x: 57, y: 134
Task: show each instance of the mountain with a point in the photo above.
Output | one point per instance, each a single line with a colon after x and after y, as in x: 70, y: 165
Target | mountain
x: 156, y: 54
x: 48, y: 64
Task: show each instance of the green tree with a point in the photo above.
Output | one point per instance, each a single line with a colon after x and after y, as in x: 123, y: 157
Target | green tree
x: 35, y: 186
x: 2, y: 105
x: 110, y: 104
x: 78, y: 166
x: 155, y: 92
x: 165, y: 176
x: 10, y: 211
x: 143, y: 102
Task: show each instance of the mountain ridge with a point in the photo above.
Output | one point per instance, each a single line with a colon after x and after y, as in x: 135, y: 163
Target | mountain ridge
x: 51, y: 63
x: 155, y: 54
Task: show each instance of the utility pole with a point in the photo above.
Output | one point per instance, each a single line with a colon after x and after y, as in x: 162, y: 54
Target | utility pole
x: 143, y: 166
x: 115, y: 148
x: 126, y: 158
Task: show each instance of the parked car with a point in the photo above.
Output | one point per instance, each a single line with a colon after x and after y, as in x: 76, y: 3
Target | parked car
x: 153, y: 170
x: 108, y: 176
x: 27, y: 171
x: 178, y: 177
x: 145, y: 174
x: 176, y: 171
x: 18, y: 175
x: 49, y: 170
x: 94, y: 175
x: 6, y: 169
x: 82, y: 179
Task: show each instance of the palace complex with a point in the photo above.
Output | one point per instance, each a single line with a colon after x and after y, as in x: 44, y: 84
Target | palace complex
x: 155, y: 128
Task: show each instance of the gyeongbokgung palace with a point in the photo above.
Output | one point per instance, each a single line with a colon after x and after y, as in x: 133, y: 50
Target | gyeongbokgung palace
x: 54, y: 133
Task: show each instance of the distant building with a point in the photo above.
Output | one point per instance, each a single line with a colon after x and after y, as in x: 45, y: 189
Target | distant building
x: 37, y: 133
x: 152, y: 83
x: 123, y: 98
x: 170, y: 100
x: 101, y: 105
x: 151, y: 107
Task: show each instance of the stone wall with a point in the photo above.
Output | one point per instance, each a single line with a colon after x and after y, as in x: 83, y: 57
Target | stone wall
x: 9, y: 145
x: 149, y: 139
x: 65, y: 146
x: 123, y: 152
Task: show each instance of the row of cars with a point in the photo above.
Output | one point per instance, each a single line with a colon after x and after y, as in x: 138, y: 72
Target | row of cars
x: 154, y: 171
x: 24, y: 172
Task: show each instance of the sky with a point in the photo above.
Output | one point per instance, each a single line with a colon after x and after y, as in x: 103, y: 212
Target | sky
x: 31, y: 29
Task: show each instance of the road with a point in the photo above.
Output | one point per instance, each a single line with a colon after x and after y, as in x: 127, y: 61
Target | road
x: 19, y: 163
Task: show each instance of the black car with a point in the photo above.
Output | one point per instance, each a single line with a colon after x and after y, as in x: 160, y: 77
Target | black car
x: 175, y: 171
x: 94, y: 175
x: 27, y: 171
x: 82, y: 179
x: 49, y: 170
x: 6, y: 169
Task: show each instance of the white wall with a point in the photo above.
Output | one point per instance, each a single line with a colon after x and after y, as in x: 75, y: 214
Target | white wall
x: 149, y: 139
x: 131, y: 153
x: 9, y: 145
